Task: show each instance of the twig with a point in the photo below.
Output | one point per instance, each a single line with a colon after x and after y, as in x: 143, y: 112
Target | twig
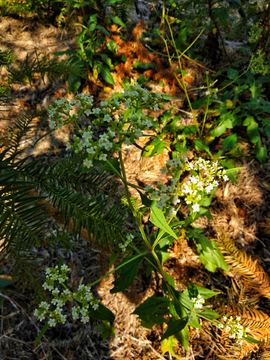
x: 6, y: 297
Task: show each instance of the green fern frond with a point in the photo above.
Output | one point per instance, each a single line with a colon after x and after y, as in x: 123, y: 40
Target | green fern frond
x: 52, y: 67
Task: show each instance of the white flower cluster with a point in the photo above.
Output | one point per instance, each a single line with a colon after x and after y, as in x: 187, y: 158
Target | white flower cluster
x: 127, y: 125
x: 128, y: 240
x: 202, y: 181
x: 198, y: 302
x: 135, y: 93
x: 234, y: 328
x: 83, y: 296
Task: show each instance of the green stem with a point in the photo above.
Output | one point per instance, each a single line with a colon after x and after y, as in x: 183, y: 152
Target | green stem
x: 138, y: 221
x: 118, y: 267
x: 183, y: 84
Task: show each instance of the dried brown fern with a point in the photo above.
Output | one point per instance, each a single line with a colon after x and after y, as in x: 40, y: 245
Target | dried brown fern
x: 259, y: 324
x: 243, y: 264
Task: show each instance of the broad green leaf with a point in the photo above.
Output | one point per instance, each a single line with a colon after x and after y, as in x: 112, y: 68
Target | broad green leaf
x: 167, y: 346
x: 202, y: 146
x: 157, y: 218
x: 143, y: 65
x: 106, y: 74
x: 146, y: 202
x: 113, y: 258
x: 151, y: 311
x: 183, y: 337
x: 112, y: 166
x: 167, y: 97
x: 101, y: 28
x: 127, y: 273
x: 174, y: 327
x: 209, y: 314
x: 206, y: 293
x: 193, y: 321
x: 253, y: 132
x: 219, y: 130
x: 199, y: 103
x: 106, y: 61
x: 5, y: 280
x: 117, y: 21
x: 73, y: 83
x: 261, y: 153
x: 112, y: 46
x: 170, y: 281
x: 229, y: 142
x: 232, y: 73
x: 192, y: 290
x: 102, y: 313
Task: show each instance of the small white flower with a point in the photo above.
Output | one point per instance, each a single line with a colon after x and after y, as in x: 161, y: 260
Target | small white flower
x: 88, y: 163
x: 52, y: 322
x: 103, y: 157
x: 196, y: 207
x: 52, y: 124
x: 87, y: 112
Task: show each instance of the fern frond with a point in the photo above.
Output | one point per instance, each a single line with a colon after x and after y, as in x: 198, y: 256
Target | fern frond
x: 251, y: 318
x: 239, y: 261
x: 54, y: 68
x: 21, y: 217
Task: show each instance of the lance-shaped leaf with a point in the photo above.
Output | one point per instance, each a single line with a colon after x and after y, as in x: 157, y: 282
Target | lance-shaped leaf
x: 128, y: 273
x: 151, y: 311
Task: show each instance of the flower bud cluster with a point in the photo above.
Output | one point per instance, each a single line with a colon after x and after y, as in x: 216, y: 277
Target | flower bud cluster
x: 129, y: 239
x: 126, y: 126
x: 83, y: 296
x: 166, y: 195
x: 198, y: 302
x: 234, y: 328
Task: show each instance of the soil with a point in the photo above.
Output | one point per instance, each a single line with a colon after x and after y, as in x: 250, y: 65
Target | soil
x: 238, y: 210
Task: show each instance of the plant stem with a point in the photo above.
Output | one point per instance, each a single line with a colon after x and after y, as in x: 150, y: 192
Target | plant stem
x: 138, y: 221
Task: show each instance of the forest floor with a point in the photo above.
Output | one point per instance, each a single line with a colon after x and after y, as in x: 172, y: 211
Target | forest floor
x: 238, y: 210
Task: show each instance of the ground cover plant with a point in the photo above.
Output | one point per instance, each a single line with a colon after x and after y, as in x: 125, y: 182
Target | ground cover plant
x: 143, y: 224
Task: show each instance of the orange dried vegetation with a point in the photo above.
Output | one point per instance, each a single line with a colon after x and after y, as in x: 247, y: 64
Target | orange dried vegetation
x: 134, y: 51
